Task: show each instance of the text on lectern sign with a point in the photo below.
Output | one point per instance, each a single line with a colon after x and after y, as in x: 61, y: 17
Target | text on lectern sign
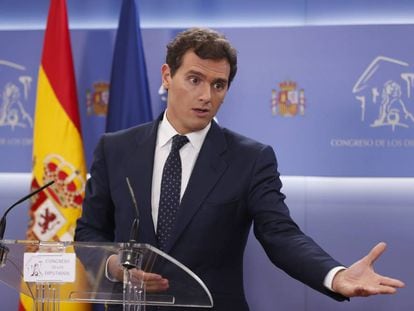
x: 49, y: 267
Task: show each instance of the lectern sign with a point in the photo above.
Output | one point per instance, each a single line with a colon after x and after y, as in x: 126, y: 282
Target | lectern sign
x: 49, y: 267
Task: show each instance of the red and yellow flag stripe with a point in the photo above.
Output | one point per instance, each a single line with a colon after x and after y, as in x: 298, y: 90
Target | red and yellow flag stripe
x: 57, y: 146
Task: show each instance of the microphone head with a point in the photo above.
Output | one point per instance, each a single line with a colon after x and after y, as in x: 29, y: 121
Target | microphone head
x: 3, y: 255
x: 130, y: 258
x: 133, y: 236
x: 2, y: 227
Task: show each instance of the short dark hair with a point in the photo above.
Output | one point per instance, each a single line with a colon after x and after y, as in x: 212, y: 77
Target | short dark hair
x: 206, y: 44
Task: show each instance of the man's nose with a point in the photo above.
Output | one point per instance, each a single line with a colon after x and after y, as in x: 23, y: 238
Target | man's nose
x: 205, y: 93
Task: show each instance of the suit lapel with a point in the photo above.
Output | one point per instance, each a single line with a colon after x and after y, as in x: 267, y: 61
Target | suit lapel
x: 208, y: 169
x: 139, y: 167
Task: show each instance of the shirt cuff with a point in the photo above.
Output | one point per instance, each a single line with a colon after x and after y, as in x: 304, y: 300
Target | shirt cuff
x: 110, y: 278
x: 327, y: 282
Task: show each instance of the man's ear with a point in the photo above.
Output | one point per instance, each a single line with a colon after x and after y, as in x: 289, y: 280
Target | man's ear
x: 166, y: 76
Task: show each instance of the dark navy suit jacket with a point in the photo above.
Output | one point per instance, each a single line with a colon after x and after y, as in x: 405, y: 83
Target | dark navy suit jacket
x: 234, y: 183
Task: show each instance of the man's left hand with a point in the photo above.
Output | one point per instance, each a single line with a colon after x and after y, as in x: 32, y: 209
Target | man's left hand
x: 360, y: 279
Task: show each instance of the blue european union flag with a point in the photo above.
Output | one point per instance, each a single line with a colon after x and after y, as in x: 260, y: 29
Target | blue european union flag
x: 129, y: 97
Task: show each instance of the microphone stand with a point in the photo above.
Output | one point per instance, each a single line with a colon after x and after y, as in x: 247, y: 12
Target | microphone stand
x: 131, y: 258
x: 3, y: 249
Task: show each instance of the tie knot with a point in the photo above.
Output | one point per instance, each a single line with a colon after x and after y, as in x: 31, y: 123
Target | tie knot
x: 178, y: 142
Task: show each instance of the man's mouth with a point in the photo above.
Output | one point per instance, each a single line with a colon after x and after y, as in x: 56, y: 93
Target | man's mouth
x: 200, y: 110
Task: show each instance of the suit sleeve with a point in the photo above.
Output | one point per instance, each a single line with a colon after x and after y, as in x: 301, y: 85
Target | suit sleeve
x: 284, y: 243
x: 97, y: 221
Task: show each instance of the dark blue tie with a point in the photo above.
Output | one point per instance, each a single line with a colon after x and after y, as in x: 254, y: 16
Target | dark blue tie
x: 170, y: 191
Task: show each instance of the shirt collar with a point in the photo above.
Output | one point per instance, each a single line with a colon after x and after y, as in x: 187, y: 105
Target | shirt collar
x: 166, y: 132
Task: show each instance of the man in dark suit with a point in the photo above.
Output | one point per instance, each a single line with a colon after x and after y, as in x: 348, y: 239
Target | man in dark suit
x: 229, y: 182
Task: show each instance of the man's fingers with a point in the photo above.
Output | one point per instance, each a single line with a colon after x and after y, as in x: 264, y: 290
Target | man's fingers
x: 145, y: 276
x: 153, y: 282
x: 365, y: 291
x: 362, y: 291
x: 157, y: 286
x: 376, y: 252
x: 386, y: 281
x: 386, y: 290
x: 150, y: 276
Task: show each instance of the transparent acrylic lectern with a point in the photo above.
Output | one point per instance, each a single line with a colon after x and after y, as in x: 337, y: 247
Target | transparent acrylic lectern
x: 74, y: 272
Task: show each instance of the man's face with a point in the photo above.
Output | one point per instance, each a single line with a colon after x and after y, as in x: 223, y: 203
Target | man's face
x: 195, y: 92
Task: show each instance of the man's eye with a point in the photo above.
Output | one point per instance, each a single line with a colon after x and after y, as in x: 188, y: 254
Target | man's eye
x: 194, y: 80
x: 218, y: 85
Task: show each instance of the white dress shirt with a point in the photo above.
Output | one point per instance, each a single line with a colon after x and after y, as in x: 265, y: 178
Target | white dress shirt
x: 188, y: 153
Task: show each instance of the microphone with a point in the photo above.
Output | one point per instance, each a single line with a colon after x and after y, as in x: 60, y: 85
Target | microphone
x: 134, y: 229
x: 3, y: 249
x: 129, y: 256
x: 3, y: 219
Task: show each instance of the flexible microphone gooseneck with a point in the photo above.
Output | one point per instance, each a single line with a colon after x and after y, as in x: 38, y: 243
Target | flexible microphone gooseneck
x: 3, y: 219
x: 3, y: 249
x: 133, y: 236
x: 130, y: 256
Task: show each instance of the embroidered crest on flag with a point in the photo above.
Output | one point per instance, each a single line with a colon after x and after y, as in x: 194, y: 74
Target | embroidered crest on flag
x: 48, y: 207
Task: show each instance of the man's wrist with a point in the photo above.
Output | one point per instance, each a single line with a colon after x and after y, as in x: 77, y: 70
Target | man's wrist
x: 328, y: 281
x: 108, y: 275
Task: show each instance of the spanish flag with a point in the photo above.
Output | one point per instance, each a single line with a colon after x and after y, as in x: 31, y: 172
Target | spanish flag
x: 57, y: 147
